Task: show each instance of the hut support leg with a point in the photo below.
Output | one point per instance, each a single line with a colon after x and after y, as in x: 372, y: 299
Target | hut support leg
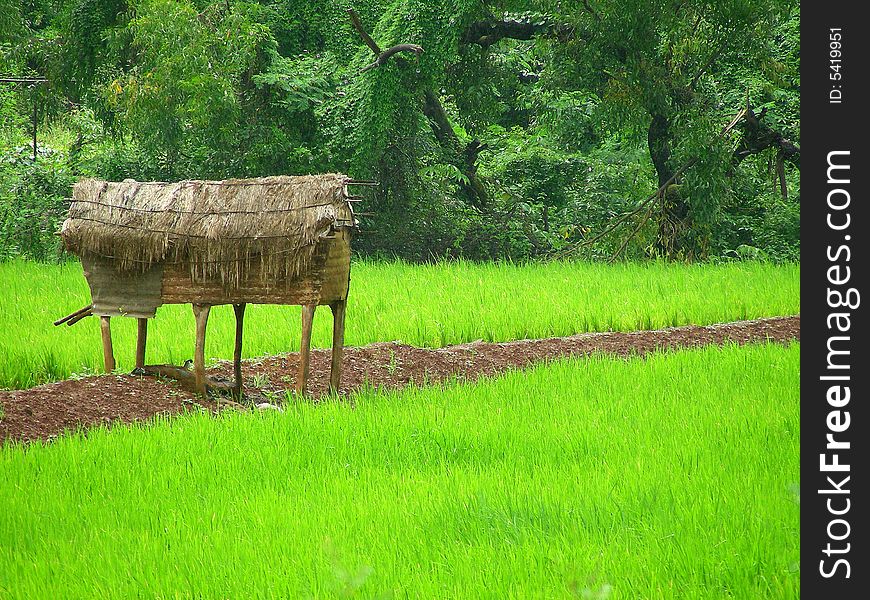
x: 305, y: 348
x: 141, y: 339
x: 338, y: 311
x: 200, y: 311
x: 108, y: 354
x: 237, y: 354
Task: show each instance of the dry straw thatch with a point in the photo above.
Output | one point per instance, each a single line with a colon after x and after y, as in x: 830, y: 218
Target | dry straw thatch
x: 219, y: 228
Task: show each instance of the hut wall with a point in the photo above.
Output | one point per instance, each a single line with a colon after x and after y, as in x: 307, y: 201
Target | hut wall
x: 325, y: 281
x: 115, y: 294
x: 335, y: 275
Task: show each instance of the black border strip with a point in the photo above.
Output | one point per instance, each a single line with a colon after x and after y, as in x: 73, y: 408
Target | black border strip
x: 834, y: 260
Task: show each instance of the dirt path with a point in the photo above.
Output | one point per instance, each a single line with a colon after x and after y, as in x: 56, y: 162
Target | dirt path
x: 48, y: 410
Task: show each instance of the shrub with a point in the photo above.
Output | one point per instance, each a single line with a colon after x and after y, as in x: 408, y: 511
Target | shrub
x: 34, y: 197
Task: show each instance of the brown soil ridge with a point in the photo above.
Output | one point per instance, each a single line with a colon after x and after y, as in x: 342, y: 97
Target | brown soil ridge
x: 46, y: 411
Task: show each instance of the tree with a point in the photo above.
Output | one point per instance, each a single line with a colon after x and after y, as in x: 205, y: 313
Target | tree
x: 656, y: 64
x: 494, y: 128
x: 656, y: 67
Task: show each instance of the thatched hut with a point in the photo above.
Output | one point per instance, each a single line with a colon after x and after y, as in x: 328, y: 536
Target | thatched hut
x: 272, y: 240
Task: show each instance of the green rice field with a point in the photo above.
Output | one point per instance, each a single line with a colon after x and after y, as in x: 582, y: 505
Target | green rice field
x: 432, y: 306
x: 674, y: 476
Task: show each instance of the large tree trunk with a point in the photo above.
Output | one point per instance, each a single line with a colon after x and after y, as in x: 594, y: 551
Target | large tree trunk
x: 658, y: 140
x: 465, y: 159
x: 674, y: 215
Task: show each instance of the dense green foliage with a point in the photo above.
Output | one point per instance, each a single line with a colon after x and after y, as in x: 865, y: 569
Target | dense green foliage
x: 424, y: 305
x: 673, y: 476
x: 521, y: 130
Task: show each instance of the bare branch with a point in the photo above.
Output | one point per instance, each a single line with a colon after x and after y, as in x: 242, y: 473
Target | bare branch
x: 357, y: 24
x: 386, y: 54
x: 759, y: 136
x: 633, y: 233
x: 382, y: 55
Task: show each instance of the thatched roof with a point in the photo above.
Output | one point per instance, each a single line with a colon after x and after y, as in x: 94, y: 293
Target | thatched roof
x: 219, y: 228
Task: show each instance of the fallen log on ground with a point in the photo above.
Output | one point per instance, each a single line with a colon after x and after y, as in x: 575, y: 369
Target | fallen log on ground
x: 185, y: 377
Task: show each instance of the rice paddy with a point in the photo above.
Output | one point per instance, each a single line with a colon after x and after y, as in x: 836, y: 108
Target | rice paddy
x: 424, y: 305
x: 674, y: 476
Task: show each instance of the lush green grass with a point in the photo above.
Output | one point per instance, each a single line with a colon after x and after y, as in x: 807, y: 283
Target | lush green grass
x: 422, y: 305
x: 671, y: 477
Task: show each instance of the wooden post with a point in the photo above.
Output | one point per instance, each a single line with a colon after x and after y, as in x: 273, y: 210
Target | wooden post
x: 35, y: 120
x: 237, y: 354
x: 141, y: 340
x: 338, y: 311
x: 200, y: 311
x: 108, y: 355
x: 305, y: 348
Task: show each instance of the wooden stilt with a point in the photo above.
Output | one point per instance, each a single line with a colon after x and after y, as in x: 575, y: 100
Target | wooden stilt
x: 200, y: 311
x: 108, y: 354
x: 237, y: 354
x: 141, y: 340
x: 305, y: 348
x: 338, y: 311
